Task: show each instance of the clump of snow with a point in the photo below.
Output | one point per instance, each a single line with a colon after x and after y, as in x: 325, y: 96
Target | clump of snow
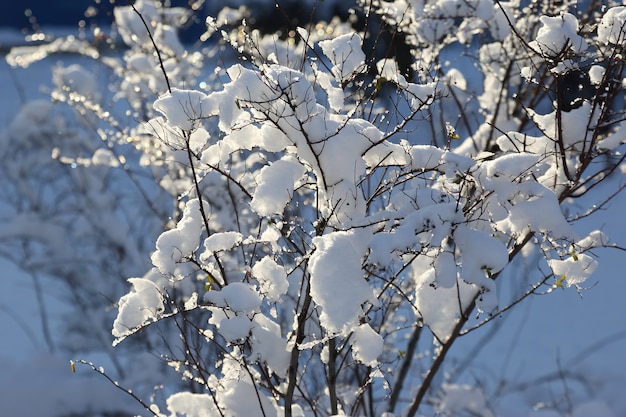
x: 481, y: 256
x: 276, y: 183
x: 219, y: 242
x: 533, y: 198
x: 175, y: 244
x: 367, y: 345
x: 272, y: 278
x: 269, y: 346
x: 596, y: 74
x: 234, y: 328
x: 191, y: 404
x: 235, y: 296
x: 240, y: 399
x: 133, y: 31
x: 440, y: 307
x: 595, y: 239
x: 612, y: 27
x: 337, y: 283
x: 558, y: 34
x: 616, y: 138
x: 181, y: 108
x: 574, y: 270
x: 574, y: 127
x: 143, y: 303
x: 345, y: 54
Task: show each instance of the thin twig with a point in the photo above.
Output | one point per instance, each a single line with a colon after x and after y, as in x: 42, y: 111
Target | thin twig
x: 156, y: 48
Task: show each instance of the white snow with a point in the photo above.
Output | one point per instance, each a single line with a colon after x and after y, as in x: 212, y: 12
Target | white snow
x: 235, y: 296
x: 173, y: 245
x: 596, y: 74
x: 219, y: 242
x: 558, y: 34
x: 141, y: 305
x: 345, y: 54
x: 367, y: 345
x: 337, y: 283
x: 611, y: 29
x: 181, y: 108
x: 268, y: 346
x: 191, y: 404
x: 336, y: 264
x: 276, y: 184
x: 272, y: 278
x: 575, y: 270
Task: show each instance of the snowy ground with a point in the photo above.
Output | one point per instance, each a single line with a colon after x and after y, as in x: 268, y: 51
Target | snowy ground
x: 560, y: 332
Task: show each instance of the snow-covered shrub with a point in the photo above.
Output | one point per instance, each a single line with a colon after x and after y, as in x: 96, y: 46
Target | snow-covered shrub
x: 332, y: 234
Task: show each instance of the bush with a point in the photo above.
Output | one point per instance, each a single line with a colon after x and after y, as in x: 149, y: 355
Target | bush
x: 338, y: 226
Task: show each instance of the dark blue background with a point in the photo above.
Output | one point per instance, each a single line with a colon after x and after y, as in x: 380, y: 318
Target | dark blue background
x: 68, y: 13
x: 52, y: 12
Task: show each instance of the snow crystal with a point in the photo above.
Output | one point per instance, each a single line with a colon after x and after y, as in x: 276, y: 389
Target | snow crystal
x: 337, y: 282
x: 367, y: 345
x: 142, y: 304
